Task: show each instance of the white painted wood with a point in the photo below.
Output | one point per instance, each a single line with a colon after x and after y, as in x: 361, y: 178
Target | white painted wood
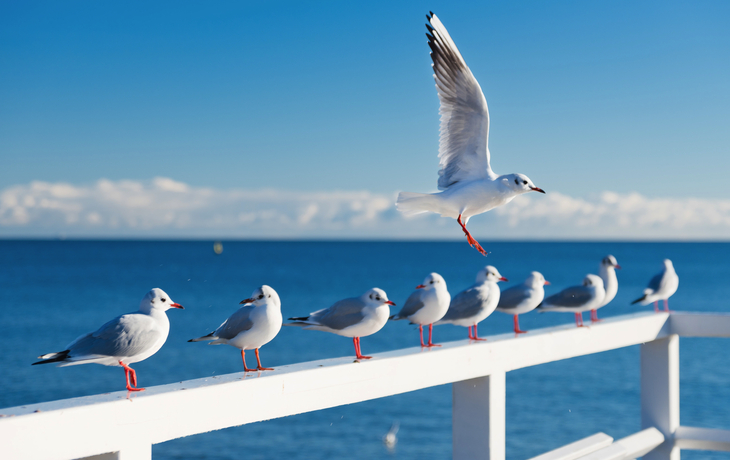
x: 82, y: 427
x: 577, y: 449
x: 660, y: 393
x: 636, y: 445
x: 687, y: 437
x: 478, y: 421
x: 700, y: 324
x: 131, y: 451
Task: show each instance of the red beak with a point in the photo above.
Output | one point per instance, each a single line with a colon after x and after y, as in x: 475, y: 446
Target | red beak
x: 177, y: 305
x: 390, y: 302
x: 503, y: 279
x: 246, y: 301
x: 420, y: 286
x: 617, y: 266
x: 546, y: 282
x: 537, y: 189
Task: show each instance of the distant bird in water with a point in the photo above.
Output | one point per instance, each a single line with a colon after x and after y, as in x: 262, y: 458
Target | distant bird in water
x: 661, y: 287
x: 251, y: 326
x: 391, y: 439
x: 426, y: 305
x: 476, y: 303
x: 354, y: 317
x: 577, y: 299
x: 607, y: 272
x: 523, y: 298
x: 125, y: 340
x: 469, y: 185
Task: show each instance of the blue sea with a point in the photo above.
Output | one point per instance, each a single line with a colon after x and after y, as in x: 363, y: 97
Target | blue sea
x: 53, y: 291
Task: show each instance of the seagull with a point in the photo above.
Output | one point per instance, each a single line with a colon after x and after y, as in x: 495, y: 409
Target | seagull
x: 428, y: 304
x: 661, y: 287
x: 577, y: 299
x: 354, y: 317
x: 251, y: 326
x: 391, y: 439
x: 469, y: 186
x: 475, y: 303
x: 126, y: 339
x: 607, y: 272
x: 523, y: 298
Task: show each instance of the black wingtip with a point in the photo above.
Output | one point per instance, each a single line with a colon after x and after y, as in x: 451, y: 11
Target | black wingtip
x: 300, y: 318
x: 191, y: 340
x: 638, y: 300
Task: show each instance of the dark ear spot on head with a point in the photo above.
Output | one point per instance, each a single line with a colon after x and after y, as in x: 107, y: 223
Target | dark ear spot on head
x: 516, y: 182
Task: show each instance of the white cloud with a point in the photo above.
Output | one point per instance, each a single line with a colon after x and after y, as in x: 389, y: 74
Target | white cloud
x: 164, y: 207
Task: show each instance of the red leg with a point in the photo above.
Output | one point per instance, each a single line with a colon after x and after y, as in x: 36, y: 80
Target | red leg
x: 656, y: 306
x: 579, y: 320
x: 420, y: 333
x: 245, y: 368
x: 127, y: 372
x: 476, y: 335
x: 666, y: 306
x: 472, y: 242
x: 357, y: 349
x: 594, y: 316
x: 258, y: 362
x: 517, y: 326
x: 430, y: 335
x: 470, y: 335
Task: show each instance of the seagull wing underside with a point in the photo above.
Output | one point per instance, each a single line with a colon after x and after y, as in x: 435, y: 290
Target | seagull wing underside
x: 463, y: 151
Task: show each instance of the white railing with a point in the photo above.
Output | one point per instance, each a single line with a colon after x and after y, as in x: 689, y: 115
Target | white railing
x: 125, y: 426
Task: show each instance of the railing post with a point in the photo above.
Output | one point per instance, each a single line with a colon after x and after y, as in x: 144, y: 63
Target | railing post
x: 478, y: 418
x: 660, y: 393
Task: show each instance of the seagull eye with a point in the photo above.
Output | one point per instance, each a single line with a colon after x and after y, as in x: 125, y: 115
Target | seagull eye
x: 431, y: 281
x: 377, y: 298
x: 163, y: 299
x: 261, y: 296
x: 524, y: 182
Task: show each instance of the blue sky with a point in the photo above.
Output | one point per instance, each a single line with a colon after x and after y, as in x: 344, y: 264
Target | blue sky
x: 584, y: 97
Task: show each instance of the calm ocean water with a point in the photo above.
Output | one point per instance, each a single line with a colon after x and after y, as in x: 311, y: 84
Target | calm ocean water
x: 53, y: 291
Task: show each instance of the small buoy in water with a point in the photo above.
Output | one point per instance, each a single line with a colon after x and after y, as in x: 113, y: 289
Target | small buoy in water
x: 218, y: 247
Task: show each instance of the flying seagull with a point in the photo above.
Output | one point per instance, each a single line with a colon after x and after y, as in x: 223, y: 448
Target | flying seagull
x: 469, y: 186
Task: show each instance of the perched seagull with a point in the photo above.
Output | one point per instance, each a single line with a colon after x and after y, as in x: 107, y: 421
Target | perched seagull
x: 428, y: 304
x: 475, y: 303
x: 577, y: 299
x: 354, y: 317
x: 251, y: 326
x: 523, y: 298
x: 469, y: 185
x: 126, y: 339
x: 607, y: 272
x: 661, y: 287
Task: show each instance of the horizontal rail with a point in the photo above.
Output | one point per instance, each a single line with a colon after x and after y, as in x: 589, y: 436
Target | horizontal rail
x: 577, y: 449
x: 629, y: 447
x: 86, y: 426
x: 687, y: 437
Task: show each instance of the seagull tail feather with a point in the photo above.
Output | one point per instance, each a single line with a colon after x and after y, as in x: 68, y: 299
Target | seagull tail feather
x: 53, y: 357
x: 410, y: 203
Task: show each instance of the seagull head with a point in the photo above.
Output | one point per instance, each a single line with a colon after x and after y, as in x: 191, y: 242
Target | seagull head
x: 610, y: 261
x: 376, y: 297
x: 262, y: 296
x: 536, y: 279
x: 489, y: 273
x: 157, y: 299
x: 593, y: 281
x: 519, y: 183
x: 433, y: 281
